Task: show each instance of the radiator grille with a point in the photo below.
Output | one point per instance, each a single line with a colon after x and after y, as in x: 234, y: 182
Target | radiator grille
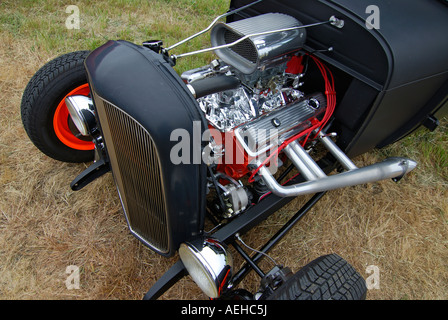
x: 136, y: 167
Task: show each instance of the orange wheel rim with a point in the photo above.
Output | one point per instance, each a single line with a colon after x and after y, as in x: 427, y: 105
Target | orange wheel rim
x: 61, y: 118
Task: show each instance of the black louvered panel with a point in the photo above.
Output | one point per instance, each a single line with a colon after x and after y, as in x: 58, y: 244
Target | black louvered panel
x: 137, y: 171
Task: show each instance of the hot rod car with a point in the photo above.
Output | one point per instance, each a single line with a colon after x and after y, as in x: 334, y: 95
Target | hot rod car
x: 297, y: 90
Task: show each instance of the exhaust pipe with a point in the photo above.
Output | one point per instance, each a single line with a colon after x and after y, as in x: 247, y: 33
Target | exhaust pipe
x: 392, y: 168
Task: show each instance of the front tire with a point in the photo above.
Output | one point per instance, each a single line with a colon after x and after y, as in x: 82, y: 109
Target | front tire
x: 327, y: 278
x: 44, y: 114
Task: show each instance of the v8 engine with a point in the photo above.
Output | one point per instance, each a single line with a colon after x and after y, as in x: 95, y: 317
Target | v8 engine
x: 252, y: 99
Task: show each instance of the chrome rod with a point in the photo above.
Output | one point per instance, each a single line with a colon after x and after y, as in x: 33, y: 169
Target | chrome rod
x: 388, y: 169
x: 212, y: 24
x: 246, y: 37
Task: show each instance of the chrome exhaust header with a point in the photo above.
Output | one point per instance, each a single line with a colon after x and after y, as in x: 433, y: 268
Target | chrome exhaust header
x: 318, y: 181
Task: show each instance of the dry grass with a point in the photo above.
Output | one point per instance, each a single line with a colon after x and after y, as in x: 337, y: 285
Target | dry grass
x: 45, y: 227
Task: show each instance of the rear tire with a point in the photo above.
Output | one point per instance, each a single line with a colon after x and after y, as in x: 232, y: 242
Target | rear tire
x: 44, y: 114
x: 326, y: 278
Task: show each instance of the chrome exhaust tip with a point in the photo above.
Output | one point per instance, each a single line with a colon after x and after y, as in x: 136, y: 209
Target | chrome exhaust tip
x: 317, y: 181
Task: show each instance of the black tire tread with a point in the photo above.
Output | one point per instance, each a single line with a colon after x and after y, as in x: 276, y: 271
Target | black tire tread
x: 327, y: 278
x: 32, y: 107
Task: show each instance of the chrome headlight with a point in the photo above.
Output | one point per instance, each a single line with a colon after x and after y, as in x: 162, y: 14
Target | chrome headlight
x: 209, y: 264
x: 81, y: 111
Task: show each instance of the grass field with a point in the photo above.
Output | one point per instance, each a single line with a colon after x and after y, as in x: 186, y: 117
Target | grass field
x: 45, y: 227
